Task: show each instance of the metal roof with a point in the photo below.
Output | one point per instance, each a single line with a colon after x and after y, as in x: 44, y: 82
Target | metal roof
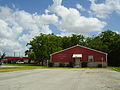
x: 79, y: 46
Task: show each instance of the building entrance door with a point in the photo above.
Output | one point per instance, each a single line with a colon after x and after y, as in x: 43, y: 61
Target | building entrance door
x: 77, y: 62
x: 77, y: 58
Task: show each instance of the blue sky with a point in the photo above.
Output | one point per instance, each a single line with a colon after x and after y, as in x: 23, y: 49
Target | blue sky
x: 39, y: 6
x: 21, y: 20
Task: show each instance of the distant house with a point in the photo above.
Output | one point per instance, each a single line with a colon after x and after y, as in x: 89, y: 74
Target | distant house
x: 78, y: 54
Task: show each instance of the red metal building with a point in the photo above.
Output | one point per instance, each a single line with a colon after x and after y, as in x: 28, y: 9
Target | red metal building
x: 78, y: 54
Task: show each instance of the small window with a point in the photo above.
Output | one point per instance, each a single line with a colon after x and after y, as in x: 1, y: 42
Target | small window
x: 90, y: 58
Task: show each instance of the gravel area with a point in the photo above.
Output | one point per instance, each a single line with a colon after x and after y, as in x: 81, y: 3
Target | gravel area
x: 60, y: 79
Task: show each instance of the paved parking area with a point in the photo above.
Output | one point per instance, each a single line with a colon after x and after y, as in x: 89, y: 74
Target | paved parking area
x: 61, y: 79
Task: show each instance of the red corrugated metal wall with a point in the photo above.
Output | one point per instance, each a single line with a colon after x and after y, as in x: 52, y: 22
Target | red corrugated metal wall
x: 66, y: 55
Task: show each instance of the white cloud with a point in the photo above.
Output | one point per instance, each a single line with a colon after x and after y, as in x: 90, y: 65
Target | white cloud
x: 117, y: 32
x: 47, y: 19
x: 103, y: 10
x: 27, y: 37
x: 14, y: 24
x: 72, y: 21
x: 5, y: 31
x: 10, y: 46
x: 18, y: 26
x: 79, y: 6
x: 65, y: 34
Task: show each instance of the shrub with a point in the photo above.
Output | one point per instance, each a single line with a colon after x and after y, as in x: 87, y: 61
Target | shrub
x: 71, y: 64
x: 99, y: 65
x: 84, y: 64
x: 67, y: 65
x: 61, y: 64
x: 50, y: 64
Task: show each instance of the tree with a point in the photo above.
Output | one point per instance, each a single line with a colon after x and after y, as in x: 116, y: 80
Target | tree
x: 77, y: 39
x: 66, y: 42
x: 30, y: 54
x: 96, y: 43
x: 44, y: 45
x: 112, y: 40
x: 2, y: 56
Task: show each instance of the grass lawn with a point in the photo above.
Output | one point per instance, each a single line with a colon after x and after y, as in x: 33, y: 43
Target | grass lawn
x: 18, y: 67
x: 115, y: 68
x: 21, y: 65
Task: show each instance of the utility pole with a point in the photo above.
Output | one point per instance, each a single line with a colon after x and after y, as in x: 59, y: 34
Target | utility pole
x: 14, y: 54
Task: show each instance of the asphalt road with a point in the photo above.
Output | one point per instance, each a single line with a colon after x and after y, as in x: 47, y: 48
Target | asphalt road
x: 61, y: 79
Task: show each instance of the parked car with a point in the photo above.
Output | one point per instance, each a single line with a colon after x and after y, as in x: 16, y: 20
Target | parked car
x: 19, y: 62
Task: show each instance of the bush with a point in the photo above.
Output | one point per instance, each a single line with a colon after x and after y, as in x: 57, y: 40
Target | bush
x: 71, y: 64
x: 84, y: 64
x: 99, y: 65
x: 61, y: 64
x: 50, y: 64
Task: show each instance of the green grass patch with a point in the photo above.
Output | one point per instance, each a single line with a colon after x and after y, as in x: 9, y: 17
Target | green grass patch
x: 22, y: 65
x: 115, y: 68
x: 18, y: 68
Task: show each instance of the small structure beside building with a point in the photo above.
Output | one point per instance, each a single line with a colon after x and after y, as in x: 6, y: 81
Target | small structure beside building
x: 79, y: 54
x: 15, y: 59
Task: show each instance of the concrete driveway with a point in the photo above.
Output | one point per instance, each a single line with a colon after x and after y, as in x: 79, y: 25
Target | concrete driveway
x: 61, y: 79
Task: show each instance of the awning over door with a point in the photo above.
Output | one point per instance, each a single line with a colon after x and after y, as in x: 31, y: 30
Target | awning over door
x: 77, y: 56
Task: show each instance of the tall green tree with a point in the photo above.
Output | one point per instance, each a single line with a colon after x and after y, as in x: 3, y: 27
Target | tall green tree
x: 66, y: 42
x: 77, y: 39
x: 44, y: 45
x: 30, y: 54
x: 96, y: 43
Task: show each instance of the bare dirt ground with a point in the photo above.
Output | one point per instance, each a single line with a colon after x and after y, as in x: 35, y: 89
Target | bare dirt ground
x: 61, y: 79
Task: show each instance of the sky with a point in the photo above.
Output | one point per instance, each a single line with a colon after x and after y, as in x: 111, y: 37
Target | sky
x: 22, y: 20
